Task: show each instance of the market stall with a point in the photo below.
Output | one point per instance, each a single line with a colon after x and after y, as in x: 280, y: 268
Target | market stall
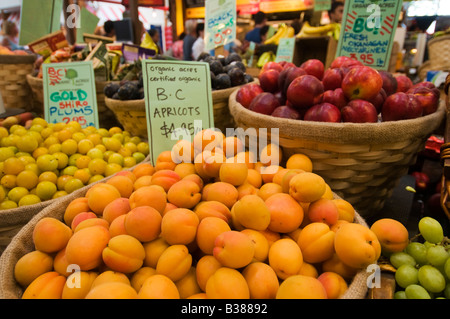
x: 137, y: 175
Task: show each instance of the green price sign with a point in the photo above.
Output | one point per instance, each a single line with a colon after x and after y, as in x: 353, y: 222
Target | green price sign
x: 285, y: 50
x: 368, y: 30
x: 178, y: 102
x: 69, y: 93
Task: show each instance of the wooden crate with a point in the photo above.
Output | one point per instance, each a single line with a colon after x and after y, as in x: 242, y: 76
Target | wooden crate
x: 321, y: 48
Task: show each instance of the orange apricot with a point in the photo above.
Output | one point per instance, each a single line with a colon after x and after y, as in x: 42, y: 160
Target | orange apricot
x: 286, y: 214
x: 285, y: 257
x: 184, y: 194
x: 143, y: 223
x: 117, y: 207
x: 301, y: 287
x: 85, y: 247
x: 179, y: 226
x: 207, y: 231
x: 51, y: 235
x: 153, y: 196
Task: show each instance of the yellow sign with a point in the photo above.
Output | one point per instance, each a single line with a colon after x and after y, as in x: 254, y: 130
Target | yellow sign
x: 285, y: 6
x: 195, y: 13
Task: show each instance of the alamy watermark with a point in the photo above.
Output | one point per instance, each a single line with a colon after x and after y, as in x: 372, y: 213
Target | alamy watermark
x: 73, y: 20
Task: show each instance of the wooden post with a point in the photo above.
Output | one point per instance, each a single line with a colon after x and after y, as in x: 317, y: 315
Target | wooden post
x: 137, y: 24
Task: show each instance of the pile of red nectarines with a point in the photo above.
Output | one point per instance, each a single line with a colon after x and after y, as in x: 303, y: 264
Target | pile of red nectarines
x: 348, y: 91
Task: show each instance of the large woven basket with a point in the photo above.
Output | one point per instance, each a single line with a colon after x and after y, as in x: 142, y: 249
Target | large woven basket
x: 12, y: 220
x: 16, y: 92
x: 22, y: 244
x: 439, y: 53
x: 131, y: 114
x: 107, y: 118
x: 361, y: 162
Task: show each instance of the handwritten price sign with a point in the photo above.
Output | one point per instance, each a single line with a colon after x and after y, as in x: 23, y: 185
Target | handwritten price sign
x: 177, y: 95
x: 69, y: 93
x: 220, y: 23
x: 368, y: 30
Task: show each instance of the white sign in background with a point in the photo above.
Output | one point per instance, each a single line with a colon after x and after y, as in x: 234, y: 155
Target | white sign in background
x: 220, y: 23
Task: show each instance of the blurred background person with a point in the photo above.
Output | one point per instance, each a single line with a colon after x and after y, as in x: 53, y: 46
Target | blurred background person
x: 199, y: 45
x: 189, y: 39
x: 108, y: 28
x: 9, y: 33
x: 260, y: 21
x: 154, y: 34
x: 263, y: 33
x: 336, y: 12
x: 177, y: 47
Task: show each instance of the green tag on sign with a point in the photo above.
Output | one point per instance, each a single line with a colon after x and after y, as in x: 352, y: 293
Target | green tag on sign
x: 69, y: 93
x: 285, y: 50
x: 178, y: 102
x: 368, y: 30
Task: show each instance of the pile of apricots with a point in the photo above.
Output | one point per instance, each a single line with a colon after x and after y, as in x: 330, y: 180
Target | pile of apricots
x: 206, y: 224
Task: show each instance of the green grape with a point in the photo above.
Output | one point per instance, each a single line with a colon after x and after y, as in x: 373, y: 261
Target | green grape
x: 431, y: 230
x: 431, y: 279
x: 406, y: 275
x: 447, y: 291
x: 401, y: 258
x: 437, y: 255
x: 418, y: 251
x: 416, y: 292
x: 428, y: 244
x: 447, y: 268
x: 400, y: 294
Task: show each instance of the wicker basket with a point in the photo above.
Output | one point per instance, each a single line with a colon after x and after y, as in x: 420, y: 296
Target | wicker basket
x: 107, y: 118
x: 131, y: 114
x: 13, y: 83
x: 37, y: 92
x: 439, y: 53
x: 445, y: 154
x: 22, y: 244
x: 361, y: 162
x: 12, y: 220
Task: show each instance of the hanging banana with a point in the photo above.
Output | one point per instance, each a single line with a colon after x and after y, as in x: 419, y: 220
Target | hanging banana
x: 290, y: 32
x: 309, y: 31
x: 267, y: 56
x: 278, y: 35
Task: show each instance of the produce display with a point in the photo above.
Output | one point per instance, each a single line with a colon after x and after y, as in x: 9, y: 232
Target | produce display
x: 332, y: 29
x: 226, y: 72
x: 346, y: 92
x: 220, y: 226
x: 422, y: 264
x: 6, y: 51
x: 284, y: 31
x: 40, y: 161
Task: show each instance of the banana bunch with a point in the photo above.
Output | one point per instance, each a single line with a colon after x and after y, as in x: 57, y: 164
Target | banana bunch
x: 309, y: 31
x: 267, y: 56
x: 336, y: 32
x: 284, y: 31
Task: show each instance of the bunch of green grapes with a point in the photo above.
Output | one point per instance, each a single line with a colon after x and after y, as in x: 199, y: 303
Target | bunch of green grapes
x: 423, y: 268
